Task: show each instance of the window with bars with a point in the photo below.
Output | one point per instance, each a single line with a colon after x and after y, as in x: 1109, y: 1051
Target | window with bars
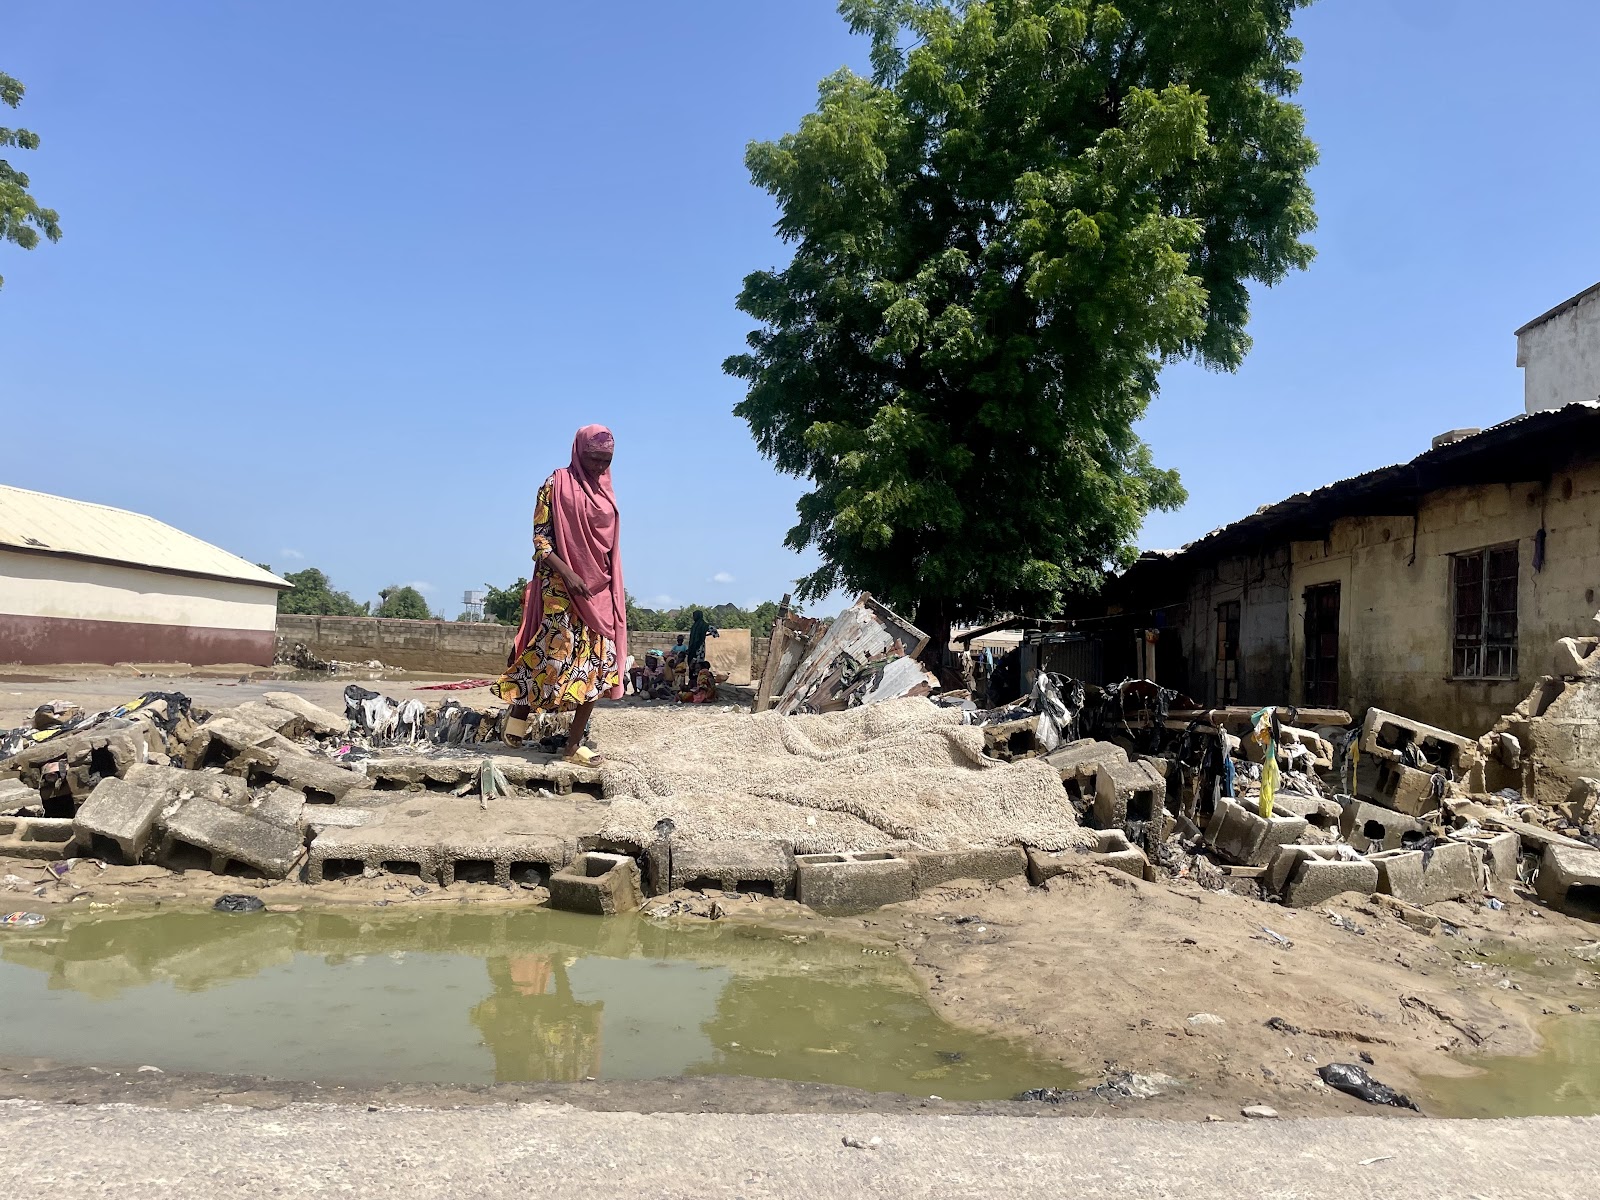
x: 1228, y: 652
x: 1484, y: 617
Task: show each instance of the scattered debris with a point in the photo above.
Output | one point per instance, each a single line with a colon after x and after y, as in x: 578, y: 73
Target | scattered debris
x: 1354, y: 1080
x: 235, y: 903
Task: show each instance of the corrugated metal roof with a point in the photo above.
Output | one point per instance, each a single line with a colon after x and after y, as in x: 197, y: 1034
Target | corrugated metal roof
x: 36, y: 523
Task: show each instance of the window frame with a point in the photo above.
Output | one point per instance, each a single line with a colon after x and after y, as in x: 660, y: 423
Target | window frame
x: 1471, y: 654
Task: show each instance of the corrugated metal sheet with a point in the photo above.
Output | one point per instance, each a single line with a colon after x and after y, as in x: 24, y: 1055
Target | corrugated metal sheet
x: 37, y: 523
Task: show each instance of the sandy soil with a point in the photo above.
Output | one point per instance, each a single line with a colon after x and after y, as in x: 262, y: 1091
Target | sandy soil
x: 1097, y: 969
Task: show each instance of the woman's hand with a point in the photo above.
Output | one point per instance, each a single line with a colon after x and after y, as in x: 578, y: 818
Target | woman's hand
x: 579, y: 588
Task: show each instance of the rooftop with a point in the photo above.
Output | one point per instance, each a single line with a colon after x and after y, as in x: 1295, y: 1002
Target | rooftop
x: 37, y: 523
x: 1569, y: 302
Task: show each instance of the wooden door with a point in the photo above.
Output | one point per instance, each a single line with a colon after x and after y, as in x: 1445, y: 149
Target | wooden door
x: 1322, y: 646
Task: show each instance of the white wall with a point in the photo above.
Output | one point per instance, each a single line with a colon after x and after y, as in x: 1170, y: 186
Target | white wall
x: 1560, y: 358
x: 38, y: 585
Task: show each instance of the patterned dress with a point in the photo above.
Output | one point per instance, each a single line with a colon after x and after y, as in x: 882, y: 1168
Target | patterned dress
x: 566, y: 664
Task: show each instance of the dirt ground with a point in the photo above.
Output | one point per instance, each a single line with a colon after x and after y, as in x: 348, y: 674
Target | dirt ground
x: 1096, y: 969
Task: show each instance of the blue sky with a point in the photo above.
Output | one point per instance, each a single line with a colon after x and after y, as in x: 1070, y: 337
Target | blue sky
x: 340, y: 280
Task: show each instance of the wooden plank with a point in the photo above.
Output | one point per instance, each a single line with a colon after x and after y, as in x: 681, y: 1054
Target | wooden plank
x: 1235, y: 715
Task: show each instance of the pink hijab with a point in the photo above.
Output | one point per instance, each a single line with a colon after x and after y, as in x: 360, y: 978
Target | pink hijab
x: 585, y: 512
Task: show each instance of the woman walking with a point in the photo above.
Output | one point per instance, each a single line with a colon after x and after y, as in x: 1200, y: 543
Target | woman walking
x: 573, y: 640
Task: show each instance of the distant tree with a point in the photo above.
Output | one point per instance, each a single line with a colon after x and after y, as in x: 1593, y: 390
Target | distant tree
x: 22, y: 220
x: 313, y: 596
x: 504, y: 604
x: 402, y: 603
x: 999, y: 241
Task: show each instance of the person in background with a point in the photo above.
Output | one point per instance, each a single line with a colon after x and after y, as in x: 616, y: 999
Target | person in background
x: 698, y: 629
x: 573, y: 640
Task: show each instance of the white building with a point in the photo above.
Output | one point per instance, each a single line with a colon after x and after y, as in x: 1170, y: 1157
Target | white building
x: 1559, y: 353
x: 86, y: 583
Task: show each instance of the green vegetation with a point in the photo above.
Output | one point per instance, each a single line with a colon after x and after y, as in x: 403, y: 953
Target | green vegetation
x: 998, y: 242
x: 402, y: 603
x: 505, y: 606
x: 21, y: 218
x: 313, y: 596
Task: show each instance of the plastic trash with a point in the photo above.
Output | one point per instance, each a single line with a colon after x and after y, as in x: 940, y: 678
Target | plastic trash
x: 21, y: 920
x: 1354, y: 1081
x: 235, y: 903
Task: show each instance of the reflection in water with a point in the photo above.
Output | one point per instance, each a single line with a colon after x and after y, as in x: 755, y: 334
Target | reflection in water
x: 478, y: 996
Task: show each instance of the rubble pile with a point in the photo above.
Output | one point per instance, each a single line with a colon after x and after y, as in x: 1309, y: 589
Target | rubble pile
x: 1299, y: 805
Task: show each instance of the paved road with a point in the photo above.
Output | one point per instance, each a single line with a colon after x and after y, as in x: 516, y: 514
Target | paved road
x: 131, y: 1153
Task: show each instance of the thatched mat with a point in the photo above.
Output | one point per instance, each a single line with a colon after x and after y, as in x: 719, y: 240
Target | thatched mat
x: 900, y: 773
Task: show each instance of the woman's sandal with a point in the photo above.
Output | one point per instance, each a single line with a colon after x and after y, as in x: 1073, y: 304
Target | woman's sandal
x: 584, y: 757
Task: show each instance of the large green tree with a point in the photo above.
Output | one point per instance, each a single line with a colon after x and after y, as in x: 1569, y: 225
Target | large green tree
x: 402, y: 602
x: 314, y: 596
x: 22, y: 220
x: 998, y: 242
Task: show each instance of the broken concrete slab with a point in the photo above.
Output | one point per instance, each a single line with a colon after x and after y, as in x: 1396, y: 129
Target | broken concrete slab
x: 1498, y: 852
x: 864, y: 632
x: 1416, y: 918
x: 36, y: 837
x: 1577, y: 658
x: 1287, y: 858
x: 317, y: 720
x: 596, y: 883
x: 1318, y: 879
x: 1369, y: 826
x: 766, y: 868
x: 117, y: 821
x: 1569, y: 879
x: 853, y: 882
x: 15, y: 796
x: 1449, y: 870
x: 1318, y: 812
x: 1400, y: 874
x: 985, y: 865
x: 1582, y: 799
x: 214, y: 837
x: 320, y: 781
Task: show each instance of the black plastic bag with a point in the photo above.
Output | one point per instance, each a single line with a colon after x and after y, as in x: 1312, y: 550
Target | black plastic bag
x: 1355, y: 1081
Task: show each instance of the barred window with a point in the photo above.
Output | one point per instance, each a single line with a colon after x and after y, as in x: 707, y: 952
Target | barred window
x: 1228, y: 652
x: 1484, y: 620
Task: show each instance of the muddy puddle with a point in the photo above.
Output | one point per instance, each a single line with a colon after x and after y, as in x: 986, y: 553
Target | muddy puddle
x: 1562, y: 1080
x: 481, y: 997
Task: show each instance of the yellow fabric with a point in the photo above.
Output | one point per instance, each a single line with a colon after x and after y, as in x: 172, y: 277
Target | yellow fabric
x: 1261, y: 733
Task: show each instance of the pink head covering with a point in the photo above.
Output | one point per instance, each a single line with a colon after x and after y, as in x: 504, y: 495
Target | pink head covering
x: 585, y: 511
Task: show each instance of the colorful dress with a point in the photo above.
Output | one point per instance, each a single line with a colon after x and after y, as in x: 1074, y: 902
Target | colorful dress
x: 566, y: 664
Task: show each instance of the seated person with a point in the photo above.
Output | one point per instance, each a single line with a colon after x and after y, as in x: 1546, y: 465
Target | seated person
x: 648, y: 678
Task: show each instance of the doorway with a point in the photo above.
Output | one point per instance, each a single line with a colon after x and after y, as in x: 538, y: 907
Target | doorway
x: 1322, y: 646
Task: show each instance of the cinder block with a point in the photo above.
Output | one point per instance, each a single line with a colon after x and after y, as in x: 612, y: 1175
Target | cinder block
x: 1569, y: 879
x: 402, y: 849
x: 117, y: 821
x: 1130, y: 861
x: 1498, y: 852
x: 1400, y: 874
x: 1319, y: 813
x: 989, y: 865
x: 36, y: 837
x: 1367, y: 825
x: 1401, y: 788
x: 1318, y: 879
x: 601, y: 884
x: 1246, y: 838
x: 1385, y: 734
x: 1071, y: 759
x: 317, y: 720
x: 222, y: 837
x: 1449, y: 870
x: 1287, y: 859
x: 1126, y: 793
x: 853, y: 881
x: 764, y: 868
x: 321, y: 781
x: 500, y: 858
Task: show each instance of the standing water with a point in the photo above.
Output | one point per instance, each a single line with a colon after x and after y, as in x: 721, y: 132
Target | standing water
x: 477, y: 996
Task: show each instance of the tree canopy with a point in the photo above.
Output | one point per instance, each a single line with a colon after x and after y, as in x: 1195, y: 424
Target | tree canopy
x: 998, y: 242
x: 22, y: 219
x: 313, y: 596
x: 403, y: 603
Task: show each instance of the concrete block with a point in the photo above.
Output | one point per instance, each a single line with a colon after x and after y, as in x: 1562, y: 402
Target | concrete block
x: 1416, y: 918
x: 1449, y: 870
x: 117, y: 822
x: 500, y: 857
x: 1245, y: 837
x: 1318, y: 879
x: 1498, y: 852
x: 1071, y: 758
x: 1131, y: 862
x: 1114, y: 851
x: 321, y: 781
x: 214, y: 837
x: 15, y: 796
x: 853, y: 882
x: 1569, y: 879
x: 36, y: 837
x: 989, y: 865
x: 602, y: 884
x: 1578, y: 658
x: 1400, y: 874
x: 1368, y: 826
x: 317, y: 720
x: 268, y: 716
x: 1318, y: 813
x: 765, y: 868
x: 1128, y: 793
x: 1401, y: 788
x: 1385, y: 734
x: 1287, y: 858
